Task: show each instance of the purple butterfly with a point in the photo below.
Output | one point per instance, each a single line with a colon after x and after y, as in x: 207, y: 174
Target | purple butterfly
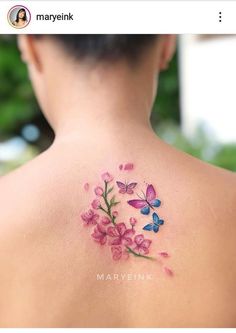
x: 126, y: 188
x: 149, y: 201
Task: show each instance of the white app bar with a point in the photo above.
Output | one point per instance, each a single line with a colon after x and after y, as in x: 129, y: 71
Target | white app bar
x: 120, y: 17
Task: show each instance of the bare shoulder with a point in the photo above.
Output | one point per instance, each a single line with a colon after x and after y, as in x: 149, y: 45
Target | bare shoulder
x: 32, y: 191
x: 220, y: 186
x: 35, y: 210
x: 214, y: 206
x: 215, y: 189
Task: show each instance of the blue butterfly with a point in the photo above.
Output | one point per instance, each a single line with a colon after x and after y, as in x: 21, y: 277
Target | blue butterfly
x: 154, y: 226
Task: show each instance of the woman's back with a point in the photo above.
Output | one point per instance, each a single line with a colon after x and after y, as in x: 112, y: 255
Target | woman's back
x: 54, y: 273
x: 80, y: 222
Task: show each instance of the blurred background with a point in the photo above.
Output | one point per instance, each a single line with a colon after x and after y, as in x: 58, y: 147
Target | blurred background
x: 195, y: 109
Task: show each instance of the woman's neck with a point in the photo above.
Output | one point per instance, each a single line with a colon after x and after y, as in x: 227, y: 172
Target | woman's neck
x: 105, y: 132
x: 102, y: 105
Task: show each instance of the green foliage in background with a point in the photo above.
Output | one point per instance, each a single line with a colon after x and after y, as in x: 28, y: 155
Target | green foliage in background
x: 18, y: 108
x: 17, y: 103
x: 167, y: 106
x: 200, y: 146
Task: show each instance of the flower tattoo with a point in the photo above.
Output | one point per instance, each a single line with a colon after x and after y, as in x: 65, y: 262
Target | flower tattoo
x: 109, y: 230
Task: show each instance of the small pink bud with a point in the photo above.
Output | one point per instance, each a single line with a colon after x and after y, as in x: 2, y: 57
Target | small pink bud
x: 98, y: 191
x: 121, y: 166
x: 115, y: 213
x: 132, y: 221
x: 107, y: 177
x: 95, y: 204
x: 105, y: 220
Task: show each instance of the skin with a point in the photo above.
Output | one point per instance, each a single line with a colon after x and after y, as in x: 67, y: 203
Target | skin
x: 49, y: 263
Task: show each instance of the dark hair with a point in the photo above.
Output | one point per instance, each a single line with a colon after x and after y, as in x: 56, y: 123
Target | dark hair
x: 17, y: 15
x: 106, y: 47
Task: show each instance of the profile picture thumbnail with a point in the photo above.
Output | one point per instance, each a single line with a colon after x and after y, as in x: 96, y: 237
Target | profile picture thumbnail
x: 19, y: 17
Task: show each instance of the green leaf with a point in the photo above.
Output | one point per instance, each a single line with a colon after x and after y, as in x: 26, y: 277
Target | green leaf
x: 110, y: 190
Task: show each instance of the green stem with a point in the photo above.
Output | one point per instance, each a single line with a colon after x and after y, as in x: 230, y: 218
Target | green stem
x: 100, y: 207
x: 105, y: 199
x: 138, y: 254
x: 108, y: 211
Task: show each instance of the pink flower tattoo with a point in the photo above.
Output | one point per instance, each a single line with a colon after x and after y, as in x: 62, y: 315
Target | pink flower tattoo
x: 142, y: 245
x: 100, y: 234
x: 90, y: 217
x: 118, y: 252
x: 107, y: 177
x: 121, y: 237
x: 121, y: 234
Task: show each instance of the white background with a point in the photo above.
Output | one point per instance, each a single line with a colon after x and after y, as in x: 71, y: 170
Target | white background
x: 127, y: 16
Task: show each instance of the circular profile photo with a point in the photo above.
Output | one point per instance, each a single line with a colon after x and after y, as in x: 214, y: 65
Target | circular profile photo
x: 19, y: 17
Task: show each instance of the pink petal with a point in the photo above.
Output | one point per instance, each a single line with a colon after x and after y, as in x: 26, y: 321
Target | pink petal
x: 129, y: 233
x: 95, y: 235
x: 103, y: 240
x: 105, y: 220
x: 129, y: 166
x: 84, y: 217
x: 116, y: 252
x: 101, y: 228
x: 164, y: 254
x: 95, y: 204
x: 121, y: 228
x: 168, y: 271
x: 98, y: 191
x: 88, y: 215
x: 146, y: 243
x: 138, y: 239
x: 107, y: 177
x: 127, y: 241
x: 143, y: 250
x: 86, y: 186
x: 116, y: 241
x: 94, y: 219
x: 95, y: 230
x: 97, y: 239
x: 112, y: 232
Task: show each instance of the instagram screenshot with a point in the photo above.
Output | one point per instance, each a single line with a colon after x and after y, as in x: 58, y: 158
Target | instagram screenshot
x: 117, y: 164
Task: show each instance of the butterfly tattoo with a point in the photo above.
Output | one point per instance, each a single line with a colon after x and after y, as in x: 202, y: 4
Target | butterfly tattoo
x: 155, y: 224
x: 148, y: 201
x: 126, y: 188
